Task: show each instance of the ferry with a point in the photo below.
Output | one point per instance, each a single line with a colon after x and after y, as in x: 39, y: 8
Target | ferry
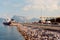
x: 8, y: 22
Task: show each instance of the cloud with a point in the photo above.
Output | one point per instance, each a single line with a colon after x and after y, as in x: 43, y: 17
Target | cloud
x: 28, y: 1
x: 53, y: 7
x: 27, y: 7
x: 50, y: 5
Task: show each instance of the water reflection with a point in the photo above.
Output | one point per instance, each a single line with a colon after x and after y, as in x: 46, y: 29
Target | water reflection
x: 9, y: 33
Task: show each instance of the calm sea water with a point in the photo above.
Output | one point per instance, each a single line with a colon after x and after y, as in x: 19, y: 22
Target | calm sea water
x: 9, y: 33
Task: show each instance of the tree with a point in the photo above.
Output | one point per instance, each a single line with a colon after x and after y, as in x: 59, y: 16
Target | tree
x: 58, y: 20
x: 39, y: 21
x: 52, y: 20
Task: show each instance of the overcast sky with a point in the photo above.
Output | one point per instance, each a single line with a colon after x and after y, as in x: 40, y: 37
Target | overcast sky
x: 30, y: 8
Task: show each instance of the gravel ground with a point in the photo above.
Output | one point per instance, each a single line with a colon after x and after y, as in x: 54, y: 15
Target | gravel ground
x: 40, y: 34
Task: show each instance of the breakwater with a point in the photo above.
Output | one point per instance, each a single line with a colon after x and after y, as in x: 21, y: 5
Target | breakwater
x: 36, y: 33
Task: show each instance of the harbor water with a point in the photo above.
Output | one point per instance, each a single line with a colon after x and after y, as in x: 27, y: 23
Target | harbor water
x: 9, y: 33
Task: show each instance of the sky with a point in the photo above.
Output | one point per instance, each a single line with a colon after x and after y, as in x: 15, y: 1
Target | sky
x: 29, y: 8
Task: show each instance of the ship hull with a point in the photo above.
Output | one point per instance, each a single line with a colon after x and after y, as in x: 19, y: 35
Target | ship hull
x: 6, y: 23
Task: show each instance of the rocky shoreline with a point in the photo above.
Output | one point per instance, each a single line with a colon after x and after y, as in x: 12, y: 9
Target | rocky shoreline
x: 36, y: 32
x: 39, y: 34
